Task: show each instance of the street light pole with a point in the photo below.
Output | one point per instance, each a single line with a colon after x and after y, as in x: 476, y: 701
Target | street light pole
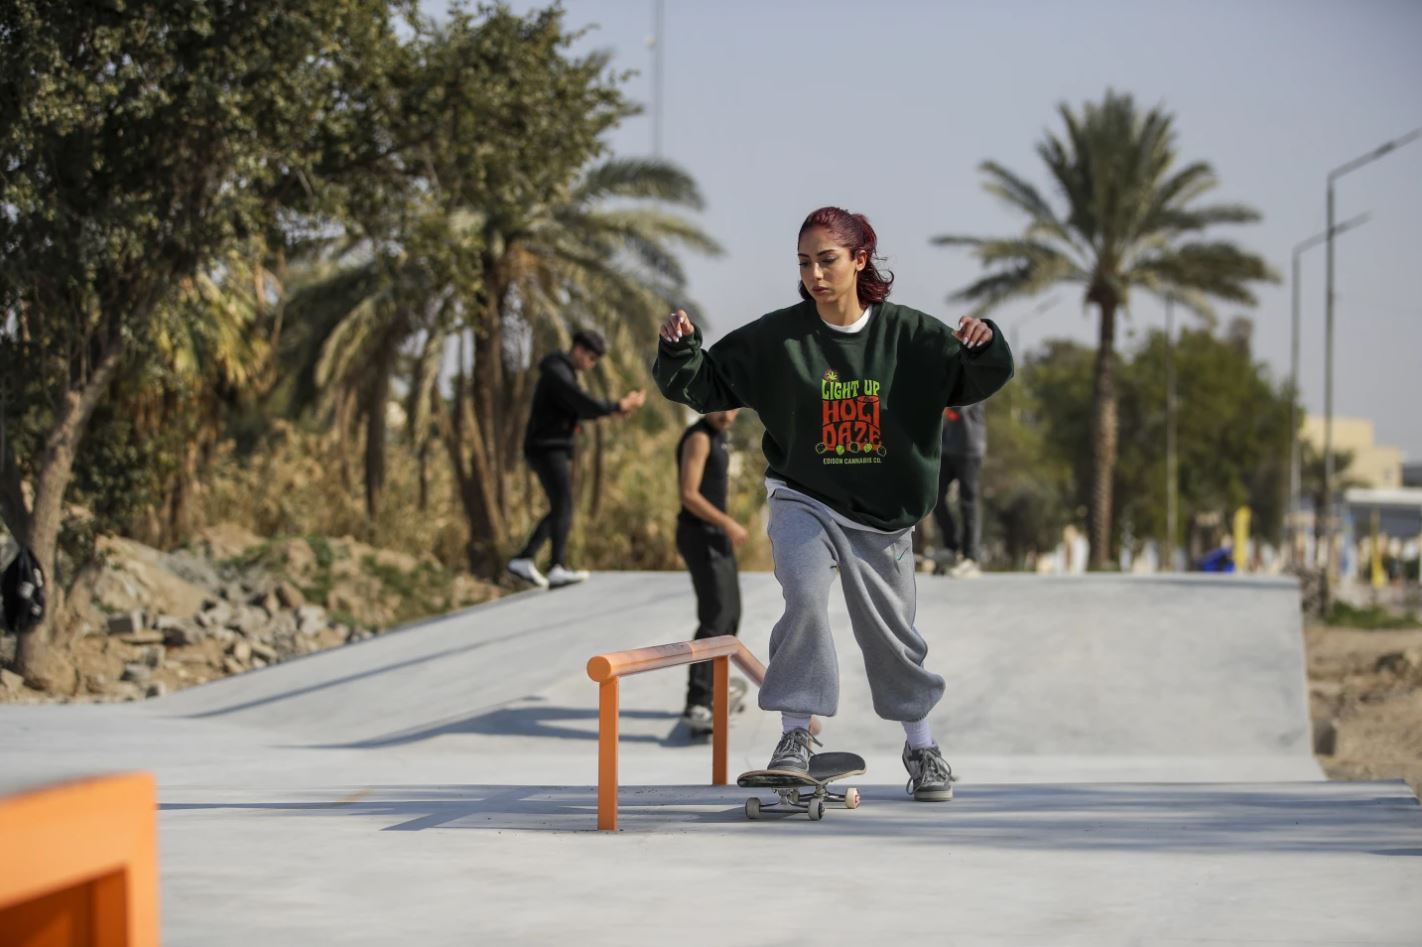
x: 1295, y: 461
x: 659, y: 19
x: 1333, y: 176
x: 1172, y: 477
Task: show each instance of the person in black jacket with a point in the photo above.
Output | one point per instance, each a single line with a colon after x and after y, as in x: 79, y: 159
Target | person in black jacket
x: 558, y: 405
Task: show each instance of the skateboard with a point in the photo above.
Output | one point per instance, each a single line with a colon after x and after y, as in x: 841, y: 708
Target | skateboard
x: 736, y: 692
x: 789, y: 786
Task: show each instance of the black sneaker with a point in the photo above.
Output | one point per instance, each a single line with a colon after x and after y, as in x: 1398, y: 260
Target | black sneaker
x: 793, y: 752
x: 930, y: 776
x: 699, y: 719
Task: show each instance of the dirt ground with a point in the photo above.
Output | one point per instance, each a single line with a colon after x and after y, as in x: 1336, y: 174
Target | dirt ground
x: 1365, y: 698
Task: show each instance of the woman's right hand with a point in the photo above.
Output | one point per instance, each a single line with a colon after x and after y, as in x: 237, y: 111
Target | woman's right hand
x: 737, y: 534
x: 677, y: 326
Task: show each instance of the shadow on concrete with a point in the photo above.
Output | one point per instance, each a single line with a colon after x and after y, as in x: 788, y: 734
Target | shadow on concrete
x: 544, y: 628
x: 535, y: 721
x: 1363, y: 818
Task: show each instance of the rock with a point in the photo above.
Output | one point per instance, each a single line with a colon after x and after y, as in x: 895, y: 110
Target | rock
x: 1401, y: 663
x: 147, y: 636
x: 126, y: 690
x: 289, y: 595
x: 248, y: 620
x: 156, y: 689
x: 241, y: 651
x: 52, y: 672
x: 310, y: 619
x: 137, y: 673
x: 264, y: 651
x: 139, y: 576
x: 267, y: 602
x: 233, y: 592
x: 232, y: 666
x: 284, y: 625
x: 97, y: 683
x: 153, y: 656
x: 11, y: 683
x: 216, y: 616
x: 126, y: 623
x: 182, y: 634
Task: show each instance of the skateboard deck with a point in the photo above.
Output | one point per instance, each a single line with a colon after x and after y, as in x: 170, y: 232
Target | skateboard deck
x: 825, y: 768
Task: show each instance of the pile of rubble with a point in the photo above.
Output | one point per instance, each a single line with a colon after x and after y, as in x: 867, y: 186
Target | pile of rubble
x: 155, y: 622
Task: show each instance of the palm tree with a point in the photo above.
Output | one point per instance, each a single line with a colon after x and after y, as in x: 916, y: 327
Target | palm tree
x: 602, y: 255
x: 1131, y: 219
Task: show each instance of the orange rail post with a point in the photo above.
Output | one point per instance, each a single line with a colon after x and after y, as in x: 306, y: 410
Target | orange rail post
x: 721, y: 719
x: 607, y: 755
x: 81, y: 864
x: 608, y: 669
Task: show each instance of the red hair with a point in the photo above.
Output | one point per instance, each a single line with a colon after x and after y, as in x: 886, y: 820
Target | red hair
x: 852, y: 231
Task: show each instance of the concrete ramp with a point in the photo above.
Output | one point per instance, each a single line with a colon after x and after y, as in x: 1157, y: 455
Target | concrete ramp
x: 1097, y: 677
x: 1134, y: 759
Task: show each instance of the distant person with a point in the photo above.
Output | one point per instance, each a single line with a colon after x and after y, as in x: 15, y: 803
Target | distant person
x: 851, y: 389
x: 707, y: 539
x: 964, y: 447
x: 558, y: 405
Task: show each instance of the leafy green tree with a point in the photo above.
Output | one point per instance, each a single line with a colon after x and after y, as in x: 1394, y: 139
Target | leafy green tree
x: 1231, y: 433
x: 544, y: 233
x: 140, y: 145
x: 1130, y: 219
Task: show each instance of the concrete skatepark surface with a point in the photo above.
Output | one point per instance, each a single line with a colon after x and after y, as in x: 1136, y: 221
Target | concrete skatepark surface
x: 1134, y: 755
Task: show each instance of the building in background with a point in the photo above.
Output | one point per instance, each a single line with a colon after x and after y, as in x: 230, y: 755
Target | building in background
x: 1377, y: 466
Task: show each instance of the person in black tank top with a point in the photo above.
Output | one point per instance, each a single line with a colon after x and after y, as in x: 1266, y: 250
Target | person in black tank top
x: 707, y: 539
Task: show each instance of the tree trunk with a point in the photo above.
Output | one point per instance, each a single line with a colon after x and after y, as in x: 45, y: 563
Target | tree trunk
x: 37, y: 658
x: 1103, y: 439
x: 596, y: 502
x: 378, y: 397
x: 474, y: 477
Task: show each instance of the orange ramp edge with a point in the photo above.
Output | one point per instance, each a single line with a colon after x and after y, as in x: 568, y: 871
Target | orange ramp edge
x: 80, y: 864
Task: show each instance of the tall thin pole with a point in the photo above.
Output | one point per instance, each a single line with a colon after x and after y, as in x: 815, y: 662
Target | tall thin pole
x: 1334, y: 175
x: 659, y: 16
x: 1291, y: 509
x: 1327, y: 511
x: 1172, y: 479
x: 1293, y: 506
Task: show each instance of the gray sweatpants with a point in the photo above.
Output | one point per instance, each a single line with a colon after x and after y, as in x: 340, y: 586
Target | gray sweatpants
x: 877, y: 573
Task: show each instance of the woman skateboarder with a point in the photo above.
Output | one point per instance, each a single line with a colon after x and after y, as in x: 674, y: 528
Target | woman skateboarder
x: 851, y: 389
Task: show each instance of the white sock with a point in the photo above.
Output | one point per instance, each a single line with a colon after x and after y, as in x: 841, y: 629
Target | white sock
x: 918, y: 733
x: 790, y: 722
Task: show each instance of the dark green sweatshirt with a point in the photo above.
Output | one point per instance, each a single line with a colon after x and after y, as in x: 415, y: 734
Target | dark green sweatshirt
x: 854, y: 420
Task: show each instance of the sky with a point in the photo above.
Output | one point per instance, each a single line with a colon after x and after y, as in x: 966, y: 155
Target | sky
x: 776, y: 108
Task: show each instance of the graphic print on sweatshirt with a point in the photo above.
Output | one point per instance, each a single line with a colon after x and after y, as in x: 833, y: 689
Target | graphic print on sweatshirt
x: 851, y: 431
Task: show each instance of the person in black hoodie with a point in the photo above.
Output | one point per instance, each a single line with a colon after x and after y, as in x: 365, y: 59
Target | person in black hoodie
x: 558, y: 405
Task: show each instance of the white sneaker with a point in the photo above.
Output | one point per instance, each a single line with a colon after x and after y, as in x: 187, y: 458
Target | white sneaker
x: 967, y: 569
x: 559, y: 577
x: 528, y: 572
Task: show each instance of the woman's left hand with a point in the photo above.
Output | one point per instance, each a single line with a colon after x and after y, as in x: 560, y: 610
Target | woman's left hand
x: 973, y: 333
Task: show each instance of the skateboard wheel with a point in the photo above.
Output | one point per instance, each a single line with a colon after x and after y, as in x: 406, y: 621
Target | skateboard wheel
x: 851, y: 798
x: 817, y: 810
x: 752, y: 808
